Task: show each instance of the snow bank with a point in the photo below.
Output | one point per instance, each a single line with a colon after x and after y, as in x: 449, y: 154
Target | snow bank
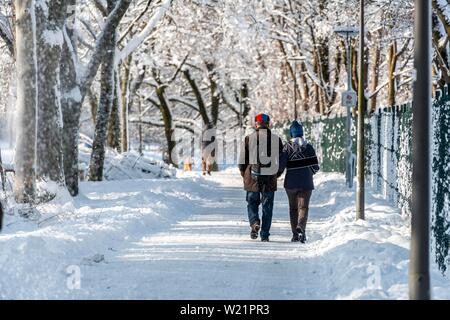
x: 38, y: 254
x: 122, y: 166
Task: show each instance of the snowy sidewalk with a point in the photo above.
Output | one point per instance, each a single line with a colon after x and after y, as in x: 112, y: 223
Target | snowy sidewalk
x: 189, y: 239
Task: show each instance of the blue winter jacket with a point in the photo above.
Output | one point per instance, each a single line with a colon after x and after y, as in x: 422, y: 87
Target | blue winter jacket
x: 300, y: 160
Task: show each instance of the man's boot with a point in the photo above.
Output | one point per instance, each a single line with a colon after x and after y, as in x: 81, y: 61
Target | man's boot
x: 255, y: 230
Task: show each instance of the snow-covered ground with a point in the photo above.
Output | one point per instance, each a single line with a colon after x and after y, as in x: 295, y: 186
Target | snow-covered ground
x: 188, y: 238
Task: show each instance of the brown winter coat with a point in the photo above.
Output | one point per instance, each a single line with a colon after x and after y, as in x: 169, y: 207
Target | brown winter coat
x: 250, y: 184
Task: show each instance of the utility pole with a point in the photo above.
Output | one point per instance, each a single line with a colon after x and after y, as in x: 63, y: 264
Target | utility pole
x: 419, y: 274
x: 295, y: 91
x: 241, y: 97
x: 361, y: 112
x: 348, y: 101
x: 348, y: 122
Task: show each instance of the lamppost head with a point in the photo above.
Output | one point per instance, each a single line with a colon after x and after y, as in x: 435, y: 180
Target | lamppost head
x: 346, y: 31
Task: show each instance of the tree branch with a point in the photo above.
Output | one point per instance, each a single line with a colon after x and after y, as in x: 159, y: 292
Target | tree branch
x: 99, y: 5
x: 132, y: 24
x: 6, y: 34
x: 110, y: 26
x: 198, y: 96
x: 186, y: 103
x: 161, y: 125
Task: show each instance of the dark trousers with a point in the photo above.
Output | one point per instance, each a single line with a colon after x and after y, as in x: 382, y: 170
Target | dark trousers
x: 298, y: 208
x: 254, y: 199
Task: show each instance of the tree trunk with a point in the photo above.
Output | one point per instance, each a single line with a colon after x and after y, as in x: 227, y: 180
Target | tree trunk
x: 134, y: 87
x: 338, y: 62
x: 125, y: 96
x: 392, y: 65
x: 49, y: 23
x: 316, y: 86
x: 244, y: 96
x: 305, y: 88
x: 103, y: 113
x: 113, y: 136
x: 26, y: 103
x: 93, y: 104
x: 375, y: 70
x: 324, y: 74
x: 355, y: 69
x: 141, y: 136
x: 323, y: 101
x: 316, y: 98
x: 168, y: 127
x: 71, y: 109
x: 215, y: 103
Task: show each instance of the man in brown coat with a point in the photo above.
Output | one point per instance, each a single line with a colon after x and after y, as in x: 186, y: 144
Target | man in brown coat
x: 259, y: 167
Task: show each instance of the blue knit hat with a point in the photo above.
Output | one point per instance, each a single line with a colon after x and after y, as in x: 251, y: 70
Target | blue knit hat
x: 296, y: 129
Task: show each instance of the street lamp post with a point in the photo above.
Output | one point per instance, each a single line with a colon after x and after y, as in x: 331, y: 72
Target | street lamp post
x: 361, y: 112
x: 419, y: 273
x: 295, y: 91
x: 350, y: 101
x: 241, y: 121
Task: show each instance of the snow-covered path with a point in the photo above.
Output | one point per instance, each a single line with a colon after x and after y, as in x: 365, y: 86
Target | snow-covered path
x: 209, y: 255
x: 188, y: 238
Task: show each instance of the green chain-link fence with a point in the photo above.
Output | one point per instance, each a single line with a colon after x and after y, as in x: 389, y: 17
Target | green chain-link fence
x: 389, y: 160
x: 388, y: 154
x: 328, y: 136
x: 441, y: 177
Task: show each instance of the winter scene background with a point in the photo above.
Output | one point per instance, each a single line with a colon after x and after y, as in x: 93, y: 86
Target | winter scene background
x: 103, y: 107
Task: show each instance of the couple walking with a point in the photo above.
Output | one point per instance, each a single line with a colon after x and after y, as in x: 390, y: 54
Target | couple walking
x: 263, y: 159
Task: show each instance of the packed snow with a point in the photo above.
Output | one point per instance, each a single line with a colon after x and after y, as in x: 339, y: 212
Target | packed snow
x: 188, y: 238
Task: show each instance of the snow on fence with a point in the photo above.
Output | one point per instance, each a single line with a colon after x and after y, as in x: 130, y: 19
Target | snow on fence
x: 389, y: 160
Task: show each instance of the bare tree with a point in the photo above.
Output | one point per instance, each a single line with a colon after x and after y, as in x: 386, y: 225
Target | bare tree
x: 77, y: 86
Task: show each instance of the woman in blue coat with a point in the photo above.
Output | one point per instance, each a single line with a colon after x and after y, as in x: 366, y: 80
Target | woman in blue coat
x: 300, y: 160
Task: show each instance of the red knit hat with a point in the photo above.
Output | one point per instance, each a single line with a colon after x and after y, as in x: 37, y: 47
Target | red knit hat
x: 262, y: 118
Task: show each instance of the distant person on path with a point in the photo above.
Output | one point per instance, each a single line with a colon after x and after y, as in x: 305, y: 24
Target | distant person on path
x: 207, y: 164
x: 208, y: 150
x: 300, y: 160
x: 259, y: 167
